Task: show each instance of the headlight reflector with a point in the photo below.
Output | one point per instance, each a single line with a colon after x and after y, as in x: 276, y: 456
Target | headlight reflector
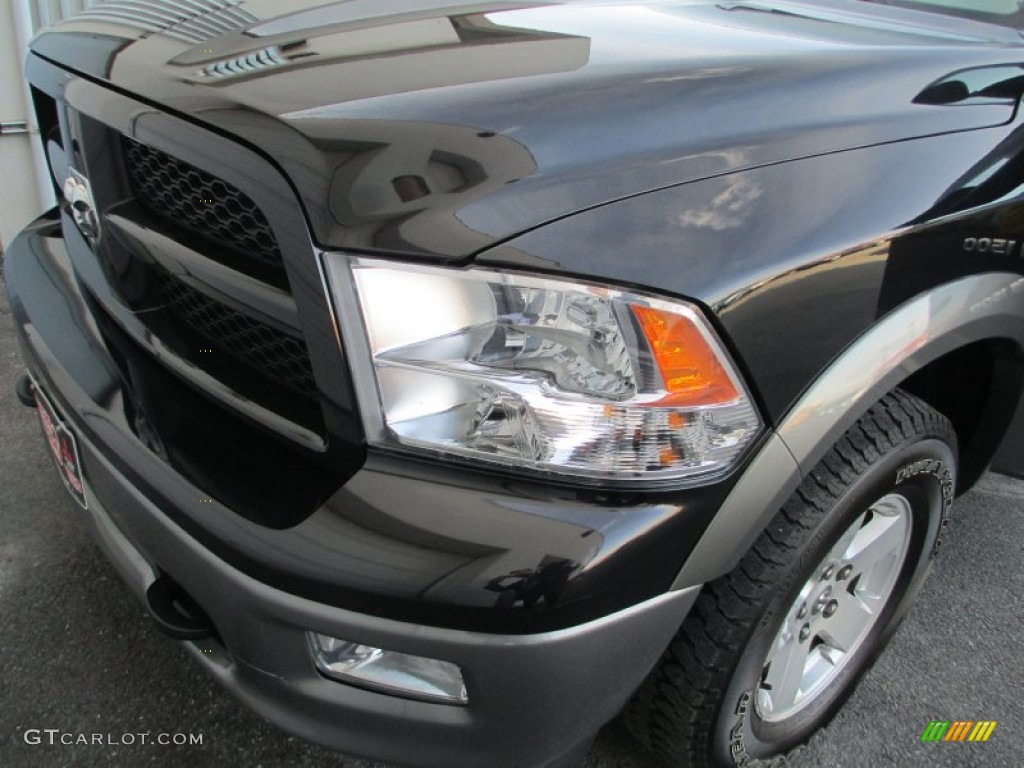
x: 541, y: 374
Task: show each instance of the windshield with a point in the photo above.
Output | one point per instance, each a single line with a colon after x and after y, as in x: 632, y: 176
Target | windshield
x: 1009, y: 13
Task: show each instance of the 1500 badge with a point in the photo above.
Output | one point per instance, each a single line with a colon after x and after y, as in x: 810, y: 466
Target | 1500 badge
x: 995, y: 245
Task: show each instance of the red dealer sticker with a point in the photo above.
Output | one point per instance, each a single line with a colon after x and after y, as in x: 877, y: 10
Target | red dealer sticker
x: 63, y: 446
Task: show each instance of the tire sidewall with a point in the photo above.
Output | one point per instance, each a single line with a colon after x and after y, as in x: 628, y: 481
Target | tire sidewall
x: 922, y: 471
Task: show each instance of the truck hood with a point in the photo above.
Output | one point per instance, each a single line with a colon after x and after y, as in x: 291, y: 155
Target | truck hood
x: 444, y: 131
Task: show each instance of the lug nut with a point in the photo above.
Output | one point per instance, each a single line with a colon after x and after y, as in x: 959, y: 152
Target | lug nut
x: 821, y: 601
x: 844, y: 573
x: 831, y: 607
x: 802, y: 612
x: 828, y: 573
x: 805, y: 632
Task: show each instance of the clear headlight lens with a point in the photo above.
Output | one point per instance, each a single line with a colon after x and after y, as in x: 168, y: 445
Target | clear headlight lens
x: 541, y: 374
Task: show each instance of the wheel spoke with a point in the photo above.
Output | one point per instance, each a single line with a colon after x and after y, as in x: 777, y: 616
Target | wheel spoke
x: 785, y: 674
x: 840, y: 549
x: 843, y: 630
x: 879, y: 541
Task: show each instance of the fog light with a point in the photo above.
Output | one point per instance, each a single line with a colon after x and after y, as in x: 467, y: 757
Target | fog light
x: 412, y: 677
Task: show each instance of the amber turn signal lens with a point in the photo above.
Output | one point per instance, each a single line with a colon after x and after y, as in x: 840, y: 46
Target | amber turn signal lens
x: 689, y: 367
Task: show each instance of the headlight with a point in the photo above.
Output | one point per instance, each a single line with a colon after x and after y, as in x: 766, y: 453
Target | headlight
x: 539, y: 374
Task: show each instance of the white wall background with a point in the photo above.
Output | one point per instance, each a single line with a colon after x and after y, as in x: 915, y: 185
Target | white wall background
x: 24, y: 188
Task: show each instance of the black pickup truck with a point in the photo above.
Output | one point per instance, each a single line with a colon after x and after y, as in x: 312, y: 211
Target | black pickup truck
x: 452, y: 379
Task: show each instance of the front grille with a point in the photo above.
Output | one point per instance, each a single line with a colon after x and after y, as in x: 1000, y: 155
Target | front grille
x: 269, y: 352
x: 187, y: 197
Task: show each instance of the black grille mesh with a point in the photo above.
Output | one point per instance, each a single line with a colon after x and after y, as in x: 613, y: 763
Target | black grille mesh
x: 273, y: 353
x: 199, y: 202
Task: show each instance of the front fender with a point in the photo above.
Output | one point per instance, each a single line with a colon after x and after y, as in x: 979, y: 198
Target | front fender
x: 834, y: 278
x: 977, y: 308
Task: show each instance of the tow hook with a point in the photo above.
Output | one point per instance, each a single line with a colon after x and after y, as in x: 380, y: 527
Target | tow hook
x: 25, y: 392
x: 176, y: 614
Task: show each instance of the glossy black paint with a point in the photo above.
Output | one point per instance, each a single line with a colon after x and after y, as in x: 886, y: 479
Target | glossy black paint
x: 487, y: 552
x: 276, y: 480
x: 403, y: 539
x: 796, y: 260
x: 640, y: 144
x: 440, y: 133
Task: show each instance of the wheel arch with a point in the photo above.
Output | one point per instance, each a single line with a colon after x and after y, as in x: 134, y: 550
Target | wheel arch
x: 977, y: 318
x: 977, y: 387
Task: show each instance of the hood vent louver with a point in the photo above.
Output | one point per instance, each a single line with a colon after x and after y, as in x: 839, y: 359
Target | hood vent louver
x: 194, y: 21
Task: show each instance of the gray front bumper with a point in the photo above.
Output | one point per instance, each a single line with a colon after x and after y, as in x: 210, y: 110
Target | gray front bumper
x: 533, y: 698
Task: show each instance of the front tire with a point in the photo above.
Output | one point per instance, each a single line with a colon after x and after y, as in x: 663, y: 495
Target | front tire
x: 771, y: 650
